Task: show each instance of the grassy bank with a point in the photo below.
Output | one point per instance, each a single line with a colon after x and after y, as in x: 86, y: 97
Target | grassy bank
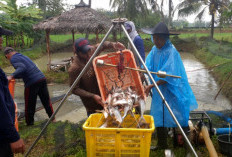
x: 59, y: 139
x: 221, y: 66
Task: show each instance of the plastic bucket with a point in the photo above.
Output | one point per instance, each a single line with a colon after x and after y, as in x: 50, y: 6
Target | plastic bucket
x: 225, y: 145
x: 11, y: 86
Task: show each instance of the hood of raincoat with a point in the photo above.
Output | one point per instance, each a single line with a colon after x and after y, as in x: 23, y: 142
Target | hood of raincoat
x: 133, y: 32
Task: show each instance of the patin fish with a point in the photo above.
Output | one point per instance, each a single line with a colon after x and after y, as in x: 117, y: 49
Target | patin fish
x: 120, y: 102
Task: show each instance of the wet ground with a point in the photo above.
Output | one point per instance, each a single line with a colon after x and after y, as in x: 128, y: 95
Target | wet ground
x: 202, y: 83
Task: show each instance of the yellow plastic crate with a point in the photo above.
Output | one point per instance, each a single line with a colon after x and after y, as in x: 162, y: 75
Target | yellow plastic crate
x: 128, y: 141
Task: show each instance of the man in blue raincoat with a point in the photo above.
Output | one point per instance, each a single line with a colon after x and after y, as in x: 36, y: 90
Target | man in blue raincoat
x: 176, y: 91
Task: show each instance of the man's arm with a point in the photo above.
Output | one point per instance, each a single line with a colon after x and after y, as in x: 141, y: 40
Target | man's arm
x: 20, y: 68
x: 73, y: 74
x: 140, y: 47
x: 110, y: 45
x: 7, y: 127
x: 148, y: 88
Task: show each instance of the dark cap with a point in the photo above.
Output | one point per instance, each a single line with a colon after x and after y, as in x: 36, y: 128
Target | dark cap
x: 159, y: 28
x: 8, y: 50
x: 5, y: 31
x: 82, y: 45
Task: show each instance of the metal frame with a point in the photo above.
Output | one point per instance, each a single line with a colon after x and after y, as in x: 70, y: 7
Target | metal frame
x: 118, y: 21
x: 204, y: 116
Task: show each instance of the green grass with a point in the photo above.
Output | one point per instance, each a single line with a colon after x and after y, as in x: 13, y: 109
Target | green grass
x: 224, y: 37
x: 68, y: 139
x: 59, y: 139
x: 195, y: 35
x: 220, y: 72
x: 217, y: 36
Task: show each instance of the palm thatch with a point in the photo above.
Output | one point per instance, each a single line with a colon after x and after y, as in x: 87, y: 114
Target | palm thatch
x: 48, y: 24
x: 84, y: 18
x: 81, y: 19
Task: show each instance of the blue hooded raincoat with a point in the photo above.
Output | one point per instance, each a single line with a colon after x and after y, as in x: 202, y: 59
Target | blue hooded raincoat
x: 177, y: 91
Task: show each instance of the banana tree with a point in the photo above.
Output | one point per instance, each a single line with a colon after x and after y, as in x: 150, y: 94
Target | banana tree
x: 20, y: 17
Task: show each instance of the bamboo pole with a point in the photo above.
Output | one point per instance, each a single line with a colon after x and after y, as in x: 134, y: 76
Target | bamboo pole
x: 73, y: 40
x: 100, y: 62
x: 48, y: 50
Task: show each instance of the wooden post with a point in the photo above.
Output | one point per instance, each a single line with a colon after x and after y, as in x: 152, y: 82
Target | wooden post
x: 73, y: 40
x: 48, y: 50
x: 97, y: 38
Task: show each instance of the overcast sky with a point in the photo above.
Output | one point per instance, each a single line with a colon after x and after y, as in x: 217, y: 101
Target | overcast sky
x: 104, y: 4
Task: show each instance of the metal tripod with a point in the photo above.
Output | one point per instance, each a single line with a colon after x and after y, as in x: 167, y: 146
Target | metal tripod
x: 118, y: 21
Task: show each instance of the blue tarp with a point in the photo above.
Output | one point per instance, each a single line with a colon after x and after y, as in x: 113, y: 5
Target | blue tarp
x: 177, y: 91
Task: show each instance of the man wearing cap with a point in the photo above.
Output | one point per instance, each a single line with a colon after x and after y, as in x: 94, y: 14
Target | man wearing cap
x: 87, y: 87
x: 34, y: 81
x: 176, y: 91
x: 10, y: 141
x: 137, y: 40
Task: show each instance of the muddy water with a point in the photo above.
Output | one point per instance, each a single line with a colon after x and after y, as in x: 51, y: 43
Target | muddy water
x: 201, y: 81
x: 203, y: 85
x: 42, y: 62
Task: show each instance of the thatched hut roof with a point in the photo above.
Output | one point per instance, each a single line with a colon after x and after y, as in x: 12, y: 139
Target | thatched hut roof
x: 82, y: 18
x: 48, y: 24
x: 79, y: 19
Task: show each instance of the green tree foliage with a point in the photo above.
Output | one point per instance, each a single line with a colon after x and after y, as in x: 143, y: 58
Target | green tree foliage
x: 150, y: 21
x: 159, y: 8
x: 226, y: 16
x: 130, y: 8
x: 20, y: 19
x: 50, y: 8
x: 189, y: 7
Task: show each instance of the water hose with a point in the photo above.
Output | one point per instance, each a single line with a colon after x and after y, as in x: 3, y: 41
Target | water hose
x: 227, y: 119
x: 208, y: 142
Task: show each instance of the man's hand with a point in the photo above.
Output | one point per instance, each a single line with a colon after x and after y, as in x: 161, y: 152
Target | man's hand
x: 118, y: 46
x: 148, y: 88
x: 98, y: 100
x: 9, y: 77
x: 18, y: 146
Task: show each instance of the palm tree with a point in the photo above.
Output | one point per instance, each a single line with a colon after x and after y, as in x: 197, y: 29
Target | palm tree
x: 171, y: 10
x: 188, y: 7
x: 20, y: 17
x: 130, y: 8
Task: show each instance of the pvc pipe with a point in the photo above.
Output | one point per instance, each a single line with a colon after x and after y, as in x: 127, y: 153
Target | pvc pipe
x: 220, y: 131
x: 208, y: 142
